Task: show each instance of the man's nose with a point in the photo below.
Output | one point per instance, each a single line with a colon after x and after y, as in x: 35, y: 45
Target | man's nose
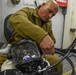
x: 50, y: 15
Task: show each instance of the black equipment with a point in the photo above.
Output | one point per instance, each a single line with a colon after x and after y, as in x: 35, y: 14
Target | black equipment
x: 27, y: 61
x: 26, y: 56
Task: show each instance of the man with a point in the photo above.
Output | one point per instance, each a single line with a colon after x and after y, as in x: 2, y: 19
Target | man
x: 34, y: 24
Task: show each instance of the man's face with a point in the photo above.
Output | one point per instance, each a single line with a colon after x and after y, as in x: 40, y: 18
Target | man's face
x: 47, y: 11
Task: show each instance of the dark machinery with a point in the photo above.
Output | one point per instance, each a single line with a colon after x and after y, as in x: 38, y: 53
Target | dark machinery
x: 32, y: 62
x: 28, y: 60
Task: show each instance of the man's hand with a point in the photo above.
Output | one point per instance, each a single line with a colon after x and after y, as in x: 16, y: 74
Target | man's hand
x: 47, y: 45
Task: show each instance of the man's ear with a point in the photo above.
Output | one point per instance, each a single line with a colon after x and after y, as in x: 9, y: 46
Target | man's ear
x: 43, y: 4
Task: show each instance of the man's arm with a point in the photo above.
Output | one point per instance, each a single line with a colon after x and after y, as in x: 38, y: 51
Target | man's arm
x: 24, y: 27
x: 47, y: 45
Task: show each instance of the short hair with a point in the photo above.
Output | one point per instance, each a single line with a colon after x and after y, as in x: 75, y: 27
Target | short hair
x: 53, y: 2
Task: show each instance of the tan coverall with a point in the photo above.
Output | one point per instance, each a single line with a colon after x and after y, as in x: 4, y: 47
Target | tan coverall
x: 26, y: 24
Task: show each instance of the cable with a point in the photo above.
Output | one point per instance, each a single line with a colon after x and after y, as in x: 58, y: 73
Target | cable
x: 69, y: 61
x: 65, y: 56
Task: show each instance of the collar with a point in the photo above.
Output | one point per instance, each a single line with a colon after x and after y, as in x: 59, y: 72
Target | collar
x: 35, y: 11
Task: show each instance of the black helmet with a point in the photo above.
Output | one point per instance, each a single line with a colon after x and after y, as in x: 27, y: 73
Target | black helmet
x: 26, y: 56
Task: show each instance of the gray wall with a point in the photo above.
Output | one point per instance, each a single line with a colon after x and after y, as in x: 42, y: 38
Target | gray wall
x: 70, y: 22
x: 1, y: 33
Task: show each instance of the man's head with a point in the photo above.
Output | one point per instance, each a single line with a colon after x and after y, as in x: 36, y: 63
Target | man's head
x: 48, y: 10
